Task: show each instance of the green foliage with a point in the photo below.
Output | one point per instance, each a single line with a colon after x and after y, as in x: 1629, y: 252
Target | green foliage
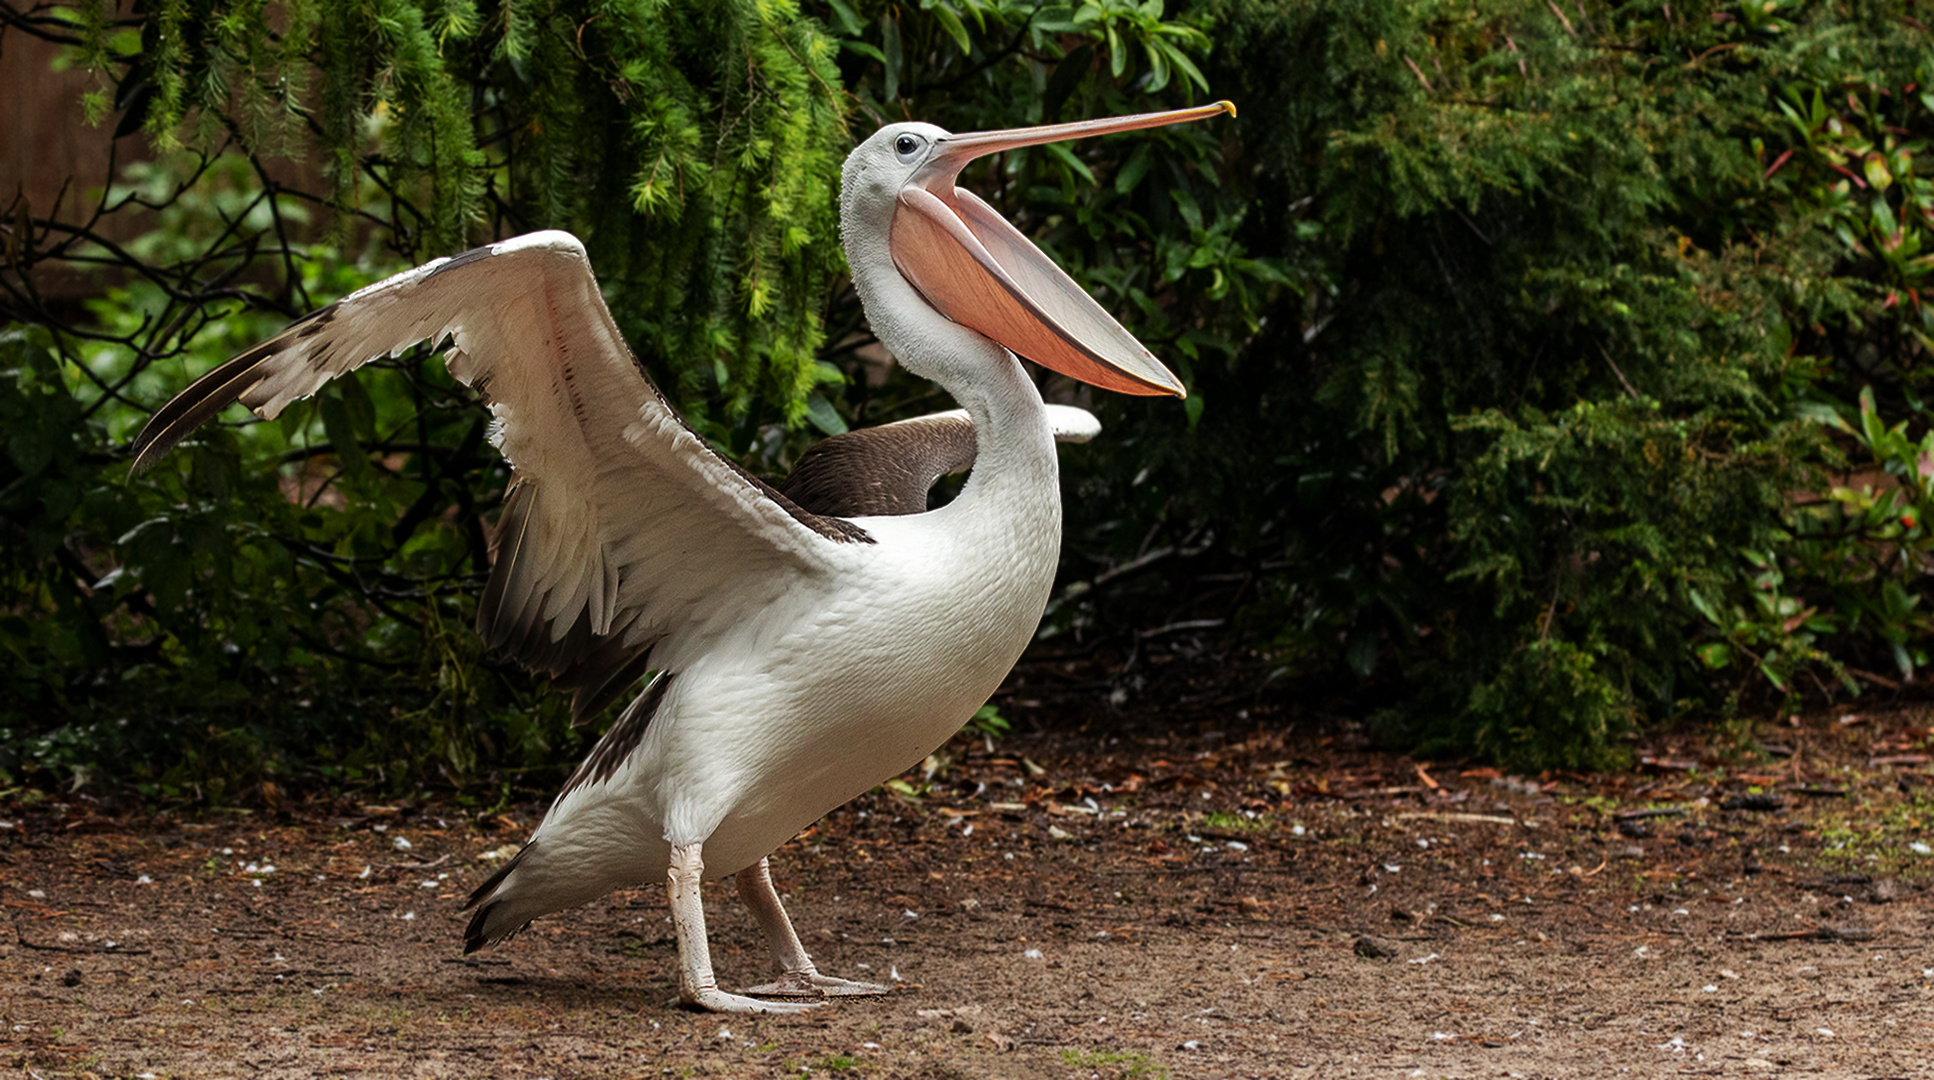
x: 1850, y: 166
x: 1842, y: 583
x: 44, y: 481
x: 1556, y: 372
x: 689, y: 143
x: 1846, y: 572
x: 988, y: 723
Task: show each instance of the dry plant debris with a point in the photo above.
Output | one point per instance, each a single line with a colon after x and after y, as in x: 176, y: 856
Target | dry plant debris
x: 1095, y: 905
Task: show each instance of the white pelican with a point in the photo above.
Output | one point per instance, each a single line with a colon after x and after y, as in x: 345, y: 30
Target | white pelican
x: 803, y: 654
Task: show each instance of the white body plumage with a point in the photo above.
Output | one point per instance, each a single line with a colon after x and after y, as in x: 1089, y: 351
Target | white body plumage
x: 836, y: 686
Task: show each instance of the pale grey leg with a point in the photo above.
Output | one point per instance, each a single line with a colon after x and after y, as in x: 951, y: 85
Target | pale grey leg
x: 798, y: 977
x: 696, y: 985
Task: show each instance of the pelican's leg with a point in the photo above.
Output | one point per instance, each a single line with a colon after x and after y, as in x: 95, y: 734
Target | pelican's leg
x: 798, y: 977
x: 696, y: 985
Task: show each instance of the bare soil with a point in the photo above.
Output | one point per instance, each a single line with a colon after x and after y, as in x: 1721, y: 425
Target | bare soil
x: 1239, y: 905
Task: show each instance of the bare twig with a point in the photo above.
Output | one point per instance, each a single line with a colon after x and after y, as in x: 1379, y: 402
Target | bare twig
x: 1419, y: 72
x: 1622, y: 380
x: 1555, y: 10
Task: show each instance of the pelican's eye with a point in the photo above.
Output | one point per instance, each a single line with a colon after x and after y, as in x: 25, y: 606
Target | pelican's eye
x: 907, y: 145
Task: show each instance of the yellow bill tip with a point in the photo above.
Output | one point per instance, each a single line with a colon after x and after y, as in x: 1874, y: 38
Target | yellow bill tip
x: 1227, y: 106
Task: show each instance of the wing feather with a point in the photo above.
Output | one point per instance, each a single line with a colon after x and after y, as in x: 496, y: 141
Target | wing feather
x: 622, y: 529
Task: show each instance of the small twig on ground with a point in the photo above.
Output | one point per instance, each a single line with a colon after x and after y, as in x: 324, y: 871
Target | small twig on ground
x: 1821, y: 933
x: 1821, y: 791
x: 1490, y: 819
x: 1661, y: 811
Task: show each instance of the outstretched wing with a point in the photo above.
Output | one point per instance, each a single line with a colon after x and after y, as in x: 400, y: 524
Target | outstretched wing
x: 622, y: 528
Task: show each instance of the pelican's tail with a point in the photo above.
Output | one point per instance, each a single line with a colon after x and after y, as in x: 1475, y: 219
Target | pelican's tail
x: 503, y: 908
x: 551, y: 873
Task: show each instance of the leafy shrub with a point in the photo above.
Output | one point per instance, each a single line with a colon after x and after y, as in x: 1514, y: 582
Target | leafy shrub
x: 1584, y: 279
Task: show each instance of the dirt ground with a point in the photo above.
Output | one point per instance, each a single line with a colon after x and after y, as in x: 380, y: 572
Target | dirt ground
x: 1216, y: 904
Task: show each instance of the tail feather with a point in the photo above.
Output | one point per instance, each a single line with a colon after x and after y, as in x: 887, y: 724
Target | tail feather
x: 481, y: 931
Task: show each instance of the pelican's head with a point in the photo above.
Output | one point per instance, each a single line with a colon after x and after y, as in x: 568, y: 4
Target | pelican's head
x: 901, y: 213
x: 878, y: 168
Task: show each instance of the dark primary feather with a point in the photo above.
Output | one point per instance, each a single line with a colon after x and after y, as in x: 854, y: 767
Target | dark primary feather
x: 217, y: 390
x: 621, y: 738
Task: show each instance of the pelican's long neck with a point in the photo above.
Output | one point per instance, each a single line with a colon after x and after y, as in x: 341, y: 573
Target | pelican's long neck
x: 1016, y: 468
x: 1016, y: 476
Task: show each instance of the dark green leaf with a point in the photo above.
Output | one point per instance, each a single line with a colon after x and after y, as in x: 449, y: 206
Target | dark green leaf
x: 342, y: 435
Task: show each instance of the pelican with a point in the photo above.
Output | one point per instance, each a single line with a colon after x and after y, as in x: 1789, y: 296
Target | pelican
x: 809, y: 643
